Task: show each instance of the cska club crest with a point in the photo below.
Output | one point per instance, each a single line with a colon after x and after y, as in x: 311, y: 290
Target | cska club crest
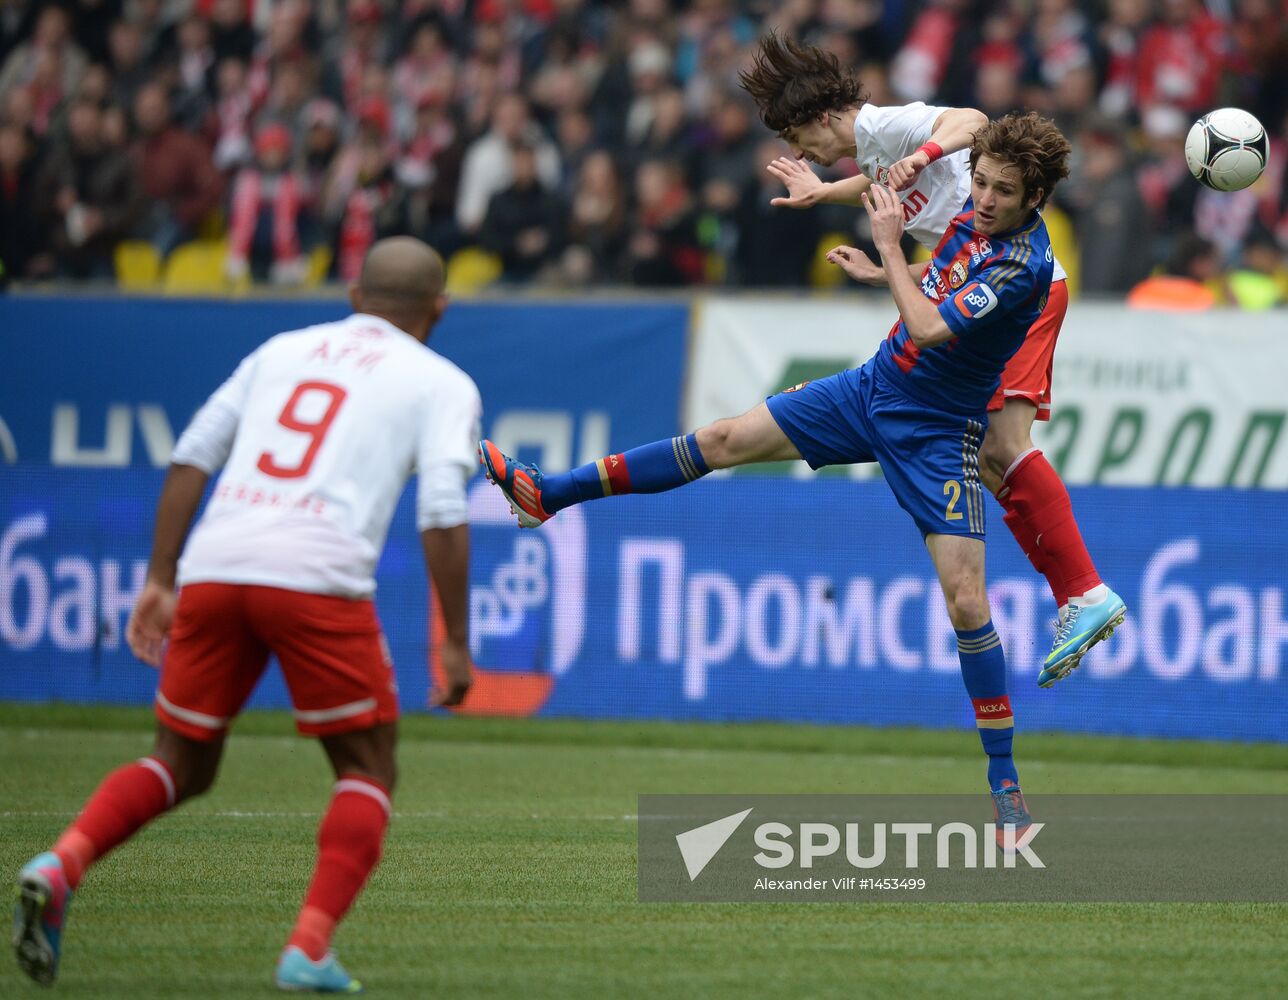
x: 957, y: 275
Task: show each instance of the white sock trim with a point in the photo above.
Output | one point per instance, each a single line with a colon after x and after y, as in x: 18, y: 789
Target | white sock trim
x: 1018, y: 459
x: 162, y: 772
x: 364, y: 788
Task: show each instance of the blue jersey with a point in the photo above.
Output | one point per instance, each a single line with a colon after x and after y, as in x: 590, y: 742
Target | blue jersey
x: 989, y: 290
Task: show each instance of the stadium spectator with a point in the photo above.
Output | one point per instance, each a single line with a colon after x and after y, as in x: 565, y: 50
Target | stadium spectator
x: 320, y: 122
x: 128, y: 62
x: 88, y: 195
x: 22, y: 235
x: 1166, y: 185
x: 364, y: 202
x: 727, y: 155
x: 364, y: 46
x: 596, y: 223
x: 230, y: 28
x: 44, y: 91
x: 1260, y: 281
x: 290, y: 89
x: 1119, y: 39
x: 190, y: 70
x: 524, y: 222
x: 1181, y: 59
x: 50, y: 48
x: 426, y: 72
x: 265, y: 217
x: 431, y: 164
x: 90, y: 20
x: 775, y: 246
x: 922, y: 62
x: 1111, y: 223
x: 180, y: 181
x: 663, y: 248
x: 650, y: 65
x: 1186, y: 283
x: 575, y: 134
x: 488, y: 166
x: 228, y: 125
x: 667, y: 136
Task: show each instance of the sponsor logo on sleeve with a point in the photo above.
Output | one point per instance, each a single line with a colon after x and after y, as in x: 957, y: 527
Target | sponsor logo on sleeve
x: 975, y: 300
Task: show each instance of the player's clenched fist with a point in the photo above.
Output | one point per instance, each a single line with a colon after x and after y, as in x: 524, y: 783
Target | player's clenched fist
x: 886, y: 215
x: 904, y: 173
x: 857, y: 265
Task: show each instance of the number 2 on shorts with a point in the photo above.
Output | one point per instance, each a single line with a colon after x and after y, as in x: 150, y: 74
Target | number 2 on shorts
x: 316, y: 429
x: 952, y: 490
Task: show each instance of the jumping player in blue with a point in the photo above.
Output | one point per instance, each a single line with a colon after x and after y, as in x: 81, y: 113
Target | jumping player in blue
x: 918, y: 406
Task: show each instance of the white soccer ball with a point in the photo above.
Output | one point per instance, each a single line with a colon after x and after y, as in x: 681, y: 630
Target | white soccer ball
x: 1226, y: 149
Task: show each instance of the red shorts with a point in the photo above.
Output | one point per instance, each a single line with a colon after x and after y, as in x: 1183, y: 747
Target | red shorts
x: 1028, y: 374
x: 333, y: 655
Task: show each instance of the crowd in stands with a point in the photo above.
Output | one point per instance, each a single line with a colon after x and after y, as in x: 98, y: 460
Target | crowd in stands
x: 578, y: 143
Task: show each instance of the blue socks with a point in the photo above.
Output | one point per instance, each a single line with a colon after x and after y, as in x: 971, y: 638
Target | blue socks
x: 984, y: 671
x: 651, y: 468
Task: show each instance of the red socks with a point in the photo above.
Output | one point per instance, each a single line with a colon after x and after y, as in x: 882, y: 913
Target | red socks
x: 127, y: 800
x: 349, y: 844
x: 1029, y: 545
x: 1037, y: 496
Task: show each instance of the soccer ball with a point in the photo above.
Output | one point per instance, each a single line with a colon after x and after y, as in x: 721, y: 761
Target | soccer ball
x: 1226, y: 149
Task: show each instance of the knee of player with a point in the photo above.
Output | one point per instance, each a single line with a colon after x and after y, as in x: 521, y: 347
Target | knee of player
x: 715, y: 442
x: 967, y: 606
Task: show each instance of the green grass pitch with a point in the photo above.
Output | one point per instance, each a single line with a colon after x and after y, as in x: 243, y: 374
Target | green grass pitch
x: 510, y: 869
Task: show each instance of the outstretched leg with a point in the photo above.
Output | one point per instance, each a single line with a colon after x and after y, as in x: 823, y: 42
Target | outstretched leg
x: 127, y: 800
x: 652, y: 468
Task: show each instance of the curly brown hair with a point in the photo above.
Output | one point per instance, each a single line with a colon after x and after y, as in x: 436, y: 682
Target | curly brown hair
x: 793, y: 84
x: 1030, y: 143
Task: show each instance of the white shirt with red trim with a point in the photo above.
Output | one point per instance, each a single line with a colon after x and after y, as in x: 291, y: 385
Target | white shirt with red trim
x: 884, y: 136
x: 317, y: 432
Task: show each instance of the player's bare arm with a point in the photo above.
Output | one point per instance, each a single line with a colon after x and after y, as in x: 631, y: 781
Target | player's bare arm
x: 925, y: 326
x: 863, y: 268
x: 805, y: 189
x: 447, y: 555
x: 154, y: 610
x: 954, y: 130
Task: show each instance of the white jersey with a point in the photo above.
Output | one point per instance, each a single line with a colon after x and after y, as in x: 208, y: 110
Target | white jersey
x: 317, y: 432
x: 884, y: 136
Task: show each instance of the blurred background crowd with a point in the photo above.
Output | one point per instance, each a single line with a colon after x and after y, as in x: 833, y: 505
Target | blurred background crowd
x: 575, y: 144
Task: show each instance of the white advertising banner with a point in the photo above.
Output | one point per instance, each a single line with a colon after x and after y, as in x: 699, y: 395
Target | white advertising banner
x: 1140, y: 398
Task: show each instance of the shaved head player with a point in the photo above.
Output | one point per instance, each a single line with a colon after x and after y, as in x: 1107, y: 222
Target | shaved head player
x: 316, y: 433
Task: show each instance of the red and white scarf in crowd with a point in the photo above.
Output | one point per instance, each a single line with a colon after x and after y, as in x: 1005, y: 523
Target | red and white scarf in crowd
x: 251, y: 191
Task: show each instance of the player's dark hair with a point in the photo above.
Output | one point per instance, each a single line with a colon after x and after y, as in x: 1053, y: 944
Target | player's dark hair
x: 793, y: 84
x: 1030, y: 143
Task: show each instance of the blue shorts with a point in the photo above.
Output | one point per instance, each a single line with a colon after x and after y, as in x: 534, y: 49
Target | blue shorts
x: 930, y: 458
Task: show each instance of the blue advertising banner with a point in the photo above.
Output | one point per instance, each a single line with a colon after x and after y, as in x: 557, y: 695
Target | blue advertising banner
x: 753, y: 598
x: 110, y: 383
x: 735, y: 598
